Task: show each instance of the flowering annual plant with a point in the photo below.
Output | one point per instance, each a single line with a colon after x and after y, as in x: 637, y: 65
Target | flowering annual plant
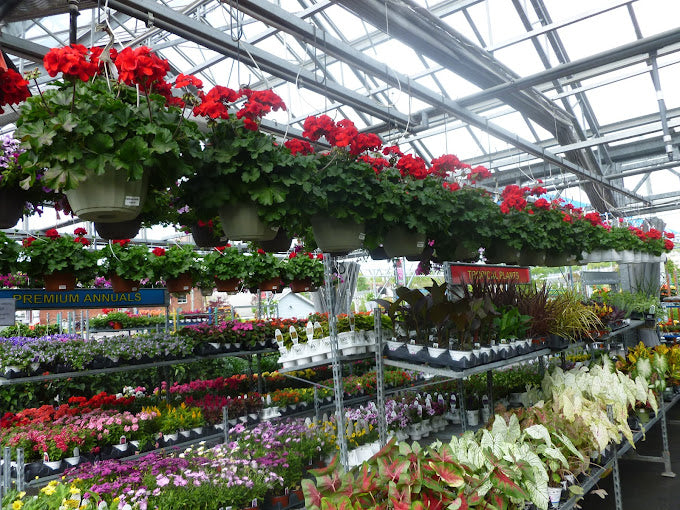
x: 9, y: 252
x: 14, y: 178
x: 301, y: 266
x: 91, y: 122
x: 226, y: 262
x: 174, y: 261
x: 54, y: 252
x: 242, y: 164
x: 127, y: 260
x: 263, y: 266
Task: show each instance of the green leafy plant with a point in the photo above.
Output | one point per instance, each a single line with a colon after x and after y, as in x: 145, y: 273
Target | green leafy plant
x: 126, y: 260
x: 263, y: 266
x: 225, y: 263
x: 89, y: 122
x: 300, y: 266
x: 176, y: 260
x: 54, y: 252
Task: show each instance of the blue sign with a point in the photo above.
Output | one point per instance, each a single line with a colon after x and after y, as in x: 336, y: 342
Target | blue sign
x: 40, y: 299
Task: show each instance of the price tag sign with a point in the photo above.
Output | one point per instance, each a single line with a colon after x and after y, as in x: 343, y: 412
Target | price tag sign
x: 7, y: 310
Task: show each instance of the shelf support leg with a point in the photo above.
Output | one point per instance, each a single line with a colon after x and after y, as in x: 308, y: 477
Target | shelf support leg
x: 616, y: 477
x: 328, y: 262
x: 379, y: 376
x: 668, y: 470
x: 461, y: 405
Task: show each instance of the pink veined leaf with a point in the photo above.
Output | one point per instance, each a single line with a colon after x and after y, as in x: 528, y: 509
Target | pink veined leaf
x: 444, y: 454
x: 393, y: 471
x: 330, y: 468
x: 417, y: 505
x: 367, y: 480
x: 448, y: 473
x: 332, y: 482
x: 399, y: 497
x: 499, y: 501
x: 312, y: 495
x: 506, y: 485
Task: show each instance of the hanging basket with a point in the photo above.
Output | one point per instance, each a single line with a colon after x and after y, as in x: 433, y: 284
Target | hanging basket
x: 119, y: 284
x: 500, y: 252
x: 205, y: 236
x: 59, y: 281
x: 304, y: 285
x: 378, y: 253
x: 12, y: 202
x: 108, y: 197
x: 180, y: 285
x: 280, y: 244
x: 532, y: 258
x: 337, y: 236
x: 558, y: 260
x: 402, y: 242
x: 272, y: 285
x: 230, y: 285
x: 242, y: 222
x: 206, y: 292
x: 118, y: 229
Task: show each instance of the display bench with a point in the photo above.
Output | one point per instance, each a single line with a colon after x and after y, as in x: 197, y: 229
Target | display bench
x: 624, y: 451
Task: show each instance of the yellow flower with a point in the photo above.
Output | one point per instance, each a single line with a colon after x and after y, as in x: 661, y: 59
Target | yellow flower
x: 21, y: 494
x: 17, y: 505
x: 49, y: 490
x: 74, y: 490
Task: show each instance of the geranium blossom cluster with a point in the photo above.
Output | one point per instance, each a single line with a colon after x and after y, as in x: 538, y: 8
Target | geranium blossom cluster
x: 216, y: 104
x: 13, y: 88
x: 135, y: 66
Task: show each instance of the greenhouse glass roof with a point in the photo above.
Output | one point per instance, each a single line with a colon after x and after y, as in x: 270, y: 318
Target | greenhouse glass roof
x: 582, y: 95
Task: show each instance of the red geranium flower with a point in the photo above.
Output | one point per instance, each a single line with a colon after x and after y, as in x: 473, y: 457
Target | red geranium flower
x: 52, y: 233
x: 159, y: 252
x: 260, y: 251
x: 141, y: 67
x: 71, y: 61
x: 13, y: 88
x: 80, y: 231
x: 28, y: 241
x: 184, y: 80
x: 292, y: 255
x: 299, y: 146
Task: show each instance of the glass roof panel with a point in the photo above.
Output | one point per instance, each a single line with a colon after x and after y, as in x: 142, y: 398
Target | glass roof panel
x: 521, y: 57
x: 655, y: 16
x: 580, y: 38
x: 623, y: 100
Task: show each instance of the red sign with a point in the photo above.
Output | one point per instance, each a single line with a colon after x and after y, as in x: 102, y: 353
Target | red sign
x: 462, y: 274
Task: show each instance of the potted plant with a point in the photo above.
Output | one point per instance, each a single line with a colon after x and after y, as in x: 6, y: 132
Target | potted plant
x: 265, y: 272
x: 17, y: 196
x: 177, y: 266
x: 343, y: 185
x: 104, y: 140
x: 228, y: 267
x: 9, y: 253
x: 244, y: 174
x: 304, y: 271
x: 58, y: 260
x: 126, y: 264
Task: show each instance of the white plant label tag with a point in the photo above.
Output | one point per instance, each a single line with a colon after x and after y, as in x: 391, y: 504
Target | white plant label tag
x: 123, y: 440
x: 362, y: 236
x: 420, y: 244
x: 412, y: 342
x: 131, y: 201
x: 435, y: 345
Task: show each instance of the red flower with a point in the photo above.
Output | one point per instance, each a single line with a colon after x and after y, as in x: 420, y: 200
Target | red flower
x: 653, y: 234
x: 451, y: 186
x: 292, y: 255
x: 316, y: 127
x: 71, y: 61
x: 52, y: 233
x: 184, y: 80
x: 412, y: 166
x: 80, y: 231
x: 81, y: 240
x: 141, y: 67
x: 319, y: 256
x: 28, y: 241
x: 478, y: 173
x: 298, y: 147
x: 542, y: 203
x: 594, y: 218
x: 260, y: 251
x: 392, y: 150
x: 13, y: 88
x: 159, y: 252
x: 121, y: 242
x: 250, y: 124
x: 567, y: 218
x: 668, y: 245
x: 378, y: 164
x: 311, y: 256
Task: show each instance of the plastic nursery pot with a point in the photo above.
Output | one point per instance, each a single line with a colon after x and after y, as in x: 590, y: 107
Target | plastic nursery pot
x: 180, y: 285
x: 59, y: 281
x: 118, y: 229
x: 11, y: 206
x: 119, y: 284
x: 302, y: 285
x: 230, y: 285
